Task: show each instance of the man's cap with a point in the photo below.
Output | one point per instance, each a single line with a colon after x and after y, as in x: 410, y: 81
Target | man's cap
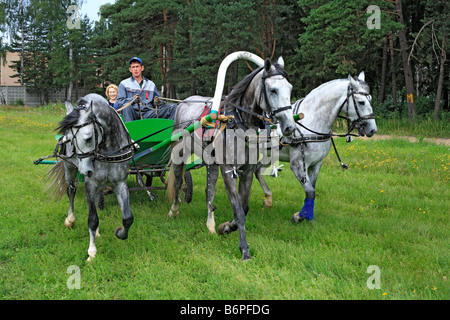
x: 135, y: 59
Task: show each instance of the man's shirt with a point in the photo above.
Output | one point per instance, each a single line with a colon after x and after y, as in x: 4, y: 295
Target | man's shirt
x: 128, y: 88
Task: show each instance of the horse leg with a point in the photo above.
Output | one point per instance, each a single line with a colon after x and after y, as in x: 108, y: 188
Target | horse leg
x: 239, y: 210
x: 267, y: 192
x: 307, y: 212
x: 211, y: 180
x: 176, y: 173
x: 93, y: 221
x: 123, y: 197
x: 70, y: 175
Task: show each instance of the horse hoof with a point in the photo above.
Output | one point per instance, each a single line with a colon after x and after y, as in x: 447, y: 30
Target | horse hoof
x: 296, y: 218
x: 91, y: 256
x: 69, y: 223
x: 267, y: 202
x: 211, y: 227
x: 246, y: 257
x: 121, y: 233
x: 173, y: 213
x: 226, y: 228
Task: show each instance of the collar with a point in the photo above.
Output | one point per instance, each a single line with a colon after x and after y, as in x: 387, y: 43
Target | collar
x: 143, y: 79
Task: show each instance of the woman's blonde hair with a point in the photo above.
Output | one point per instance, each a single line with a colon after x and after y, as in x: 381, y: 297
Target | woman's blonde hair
x: 109, y: 87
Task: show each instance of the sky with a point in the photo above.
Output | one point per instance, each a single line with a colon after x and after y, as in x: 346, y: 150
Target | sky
x: 92, y: 7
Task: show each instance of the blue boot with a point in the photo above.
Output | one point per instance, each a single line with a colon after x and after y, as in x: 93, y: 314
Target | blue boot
x: 308, y: 209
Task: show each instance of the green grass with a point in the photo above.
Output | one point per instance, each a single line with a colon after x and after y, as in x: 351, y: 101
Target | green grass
x: 390, y: 209
x: 423, y: 127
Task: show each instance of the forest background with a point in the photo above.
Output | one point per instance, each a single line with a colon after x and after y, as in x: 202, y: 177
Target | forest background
x: 400, y: 44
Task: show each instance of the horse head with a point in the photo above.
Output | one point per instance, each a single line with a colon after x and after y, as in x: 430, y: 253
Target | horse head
x: 85, y: 133
x: 359, y: 108
x: 277, y: 94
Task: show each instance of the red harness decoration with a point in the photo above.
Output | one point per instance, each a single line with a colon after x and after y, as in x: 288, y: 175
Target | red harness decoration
x: 202, y: 132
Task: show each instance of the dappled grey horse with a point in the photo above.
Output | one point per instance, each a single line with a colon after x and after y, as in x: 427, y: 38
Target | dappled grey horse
x: 96, y: 143
x: 266, y: 89
x: 312, y: 139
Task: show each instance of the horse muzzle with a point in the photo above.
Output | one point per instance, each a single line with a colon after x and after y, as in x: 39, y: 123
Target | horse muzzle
x: 367, y: 129
x: 285, y: 119
x: 86, y: 167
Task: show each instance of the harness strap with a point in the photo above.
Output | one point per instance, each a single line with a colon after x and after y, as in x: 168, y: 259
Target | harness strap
x: 260, y: 117
x: 281, y: 110
x: 116, y: 158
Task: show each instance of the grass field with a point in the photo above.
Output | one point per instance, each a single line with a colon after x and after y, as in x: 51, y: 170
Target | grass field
x: 389, y: 210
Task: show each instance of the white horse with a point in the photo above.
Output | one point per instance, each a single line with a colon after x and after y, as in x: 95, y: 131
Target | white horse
x: 312, y: 139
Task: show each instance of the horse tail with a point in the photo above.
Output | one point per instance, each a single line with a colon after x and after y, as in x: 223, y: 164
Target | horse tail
x: 170, y: 181
x: 56, y: 181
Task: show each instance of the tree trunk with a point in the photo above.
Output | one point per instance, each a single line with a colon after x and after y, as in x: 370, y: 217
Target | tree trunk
x: 193, y: 88
x: 409, y: 80
x: 440, y: 82
x: 393, y: 77
x: 383, y: 73
x: 22, y: 45
x: 69, y: 91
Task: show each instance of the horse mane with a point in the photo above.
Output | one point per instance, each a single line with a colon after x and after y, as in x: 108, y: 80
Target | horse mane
x: 234, y: 98
x: 364, y: 85
x: 239, y: 89
x: 72, y: 118
x: 69, y: 121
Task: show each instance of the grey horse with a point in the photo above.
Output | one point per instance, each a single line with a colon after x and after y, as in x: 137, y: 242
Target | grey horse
x: 266, y: 90
x: 95, y: 143
x: 311, y: 141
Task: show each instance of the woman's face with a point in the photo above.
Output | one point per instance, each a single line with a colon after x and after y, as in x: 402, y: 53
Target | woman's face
x: 112, y: 94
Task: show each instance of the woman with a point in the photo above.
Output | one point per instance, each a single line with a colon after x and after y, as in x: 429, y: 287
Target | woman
x: 111, y: 94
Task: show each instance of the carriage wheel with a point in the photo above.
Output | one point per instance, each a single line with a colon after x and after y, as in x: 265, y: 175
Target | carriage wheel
x: 188, y: 187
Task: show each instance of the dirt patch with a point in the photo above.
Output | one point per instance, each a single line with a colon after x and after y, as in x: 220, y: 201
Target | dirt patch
x: 410, y: 139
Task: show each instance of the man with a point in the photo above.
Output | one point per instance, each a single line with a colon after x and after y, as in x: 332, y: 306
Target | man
x: 146, y: 107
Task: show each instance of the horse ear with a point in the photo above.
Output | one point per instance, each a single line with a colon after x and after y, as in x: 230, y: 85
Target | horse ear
x: 352, y: 81
x: 69, y: 106
x: 281, y: 62
x: 88, y: 109
x: 362, y: 76
x: 267, y: 64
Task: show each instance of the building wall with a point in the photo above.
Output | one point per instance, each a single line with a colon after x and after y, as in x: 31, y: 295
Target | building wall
x: 11, y: 91
x: 13, y: 94
x: 6, y: 70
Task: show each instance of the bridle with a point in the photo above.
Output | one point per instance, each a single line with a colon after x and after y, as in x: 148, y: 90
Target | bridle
x: 352, y: 124
x: 270, y: 115
x: 95, y: 154
x: 96, y: 136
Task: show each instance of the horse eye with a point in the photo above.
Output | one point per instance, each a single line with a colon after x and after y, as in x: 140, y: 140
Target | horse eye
x: 273, y: 91
x: 88, y: 140
x: 361, y: 103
